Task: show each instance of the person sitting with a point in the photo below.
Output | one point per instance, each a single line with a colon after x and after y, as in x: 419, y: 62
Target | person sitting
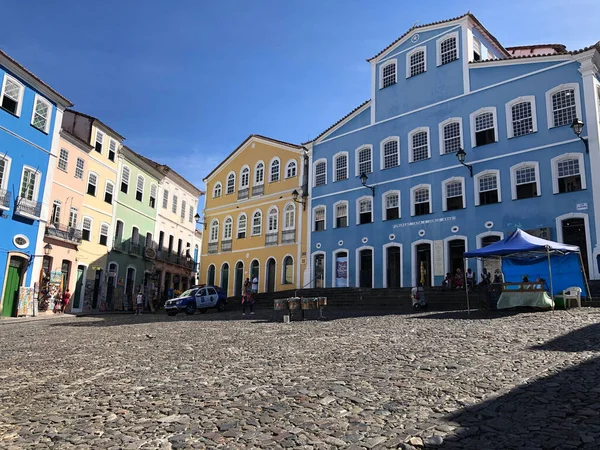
x: 485, y: 277
x: 447, y: 283
x: 497, y: 276
x: 470, y: 278
x: 459, y: 281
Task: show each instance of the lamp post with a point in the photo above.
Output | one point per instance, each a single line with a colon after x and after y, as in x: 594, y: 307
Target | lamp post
x: 296, y: 194
x: 197, y: 219
x: 363, y: 181
x: 47, y: 249
x: 577, y: 127
x: 461, y: 155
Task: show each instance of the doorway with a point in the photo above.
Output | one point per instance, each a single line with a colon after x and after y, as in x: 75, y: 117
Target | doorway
x: 97, y: 284
x: 490, y: 264
x: 78, y: 287
x: 129, y: 286
x: 271, y: 275
x: 573, y: 233
x: 254, y: 270
x: 319, y: 271
x: 423, y: 265
x: 239, y: 279
x: 393, y: 267
x: 110, y: 287
x: 366, y: 268
x: 210, y: 278
x: 456, y: 252
x: 14, y: 279
x: 225, y: 277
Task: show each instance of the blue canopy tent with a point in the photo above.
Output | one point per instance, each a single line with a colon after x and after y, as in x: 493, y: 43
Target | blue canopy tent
x: 523, y: 253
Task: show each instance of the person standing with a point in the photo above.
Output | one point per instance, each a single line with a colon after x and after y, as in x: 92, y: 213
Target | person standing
x: 140, y: 303
x: 65, y: 300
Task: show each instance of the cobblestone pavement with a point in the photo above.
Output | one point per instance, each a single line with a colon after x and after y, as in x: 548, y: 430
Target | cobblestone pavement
x: 222, y: 380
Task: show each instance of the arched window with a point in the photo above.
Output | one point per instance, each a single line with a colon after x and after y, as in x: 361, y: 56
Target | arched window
x: 290, y: 169
x: 484, y: 127
x: 274, y: 171
x: 387, y: 73
x: 451, y: 139
x: 125, y: 179
x: 340, y: 163
x: 273, y: 219
x: 259, y: 173
x: 320, y: 173
x: 420, y: 200
x: 288, y: 270
x: 227, y: 228
x: 390, y: 152
x: 392, y: 205
x: 563, y: 104
x: 231, y: 183
x: 365, y: 210
x: 418, y: 141
x: 139, y: 188
x: 416, y: 62
x: 521, y: 116
x: 217, y: 190
x: 245, y: 178
x: 214, y: 231
x: 290, y: 217
x: 256, y: 223
x: 447, y: 49
x: 241, y: 227
x: 319, y: 218
x: 364, y: 160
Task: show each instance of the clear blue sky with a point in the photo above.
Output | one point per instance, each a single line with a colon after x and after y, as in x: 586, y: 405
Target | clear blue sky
x: 187, y: 81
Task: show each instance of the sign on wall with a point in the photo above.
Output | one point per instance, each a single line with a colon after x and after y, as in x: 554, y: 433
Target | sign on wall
x: 438, y: 258
x: 341, y: 271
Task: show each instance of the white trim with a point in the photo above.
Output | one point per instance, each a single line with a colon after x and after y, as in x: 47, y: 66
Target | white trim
x: 225, y: 223
x: 269, y: 210
x: 348, y: 119
x: 41, y: 99
x: 389, y: 62
x: 217, y: 184
x: 229, y: 175
x: 91, y: 172
x: 554, y: 166
x: 106, y: 183
x: 384, y: 203
x: 461, y: 180
x: 211, y: 240
x: 412, y: 197
x: 314, y: 177
x: 137, y: 179
x: 312, y: 265
x: 554, y: 90
x: 465, y: 33
x: 232, y: 208
x: 207, y: 271
x: 275, y: 158
x: 285, y: 210
x: 314, y: 209
x: 108, y: 240
x: 21, y: 94
x: 102, y: 133
x: 357, y: 208
x: 476, y: 178
x: 456, y: 237
x: 335, y: 205
x: 413, y: 261
x: 287, y: 165
x: 264, y: 170
x: 226, y: 288
x: 334, y: 166
x: 438, y: 46
x: 237, y: 226
x: 410, y: 143
x: 586, y: 222
x: 513, y: 177
x: 442, y: 141
x: 241, y: 186
x: 333, y: 268
x: 121, y: 178
x: 509, y: 117
x: 252, y: 233
x: 478, y: 240
x: 246, y: 250
x: 357, y: 269
x: 385, y: 249
x: 235, y: 276
x: 473, y: 115
x: 356, y: 162
x: 373, y: 91
x: 421, y: 48
x: 7, y: 162
x: 518, y: 61
x: 36, y: 185
x: 382, y: 152
x: 283, y: 283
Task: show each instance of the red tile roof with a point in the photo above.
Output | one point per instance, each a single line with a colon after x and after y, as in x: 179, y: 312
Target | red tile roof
x: 557, y: 47
x: 565, y: 52
x: 339, y: 121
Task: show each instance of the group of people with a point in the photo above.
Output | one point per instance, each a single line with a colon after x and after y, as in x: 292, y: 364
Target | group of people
x: 248, y: 294
x: 61, y: 302
x: 457, y: 281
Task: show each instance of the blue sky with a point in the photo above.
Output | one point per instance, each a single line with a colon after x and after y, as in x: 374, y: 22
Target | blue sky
x: 187, y: 81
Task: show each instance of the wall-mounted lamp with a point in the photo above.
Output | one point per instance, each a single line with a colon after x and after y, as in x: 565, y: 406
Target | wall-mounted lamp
x: 47, y: 249
x: 295, y: 196
x: 197, y: 219
x: 577, y: 127
x: 461, y: 155
x: 363, y: 181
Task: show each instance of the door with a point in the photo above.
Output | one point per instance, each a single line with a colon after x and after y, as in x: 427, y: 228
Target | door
x: 213, y: 297
x: 423, y: 265
x: 225, y: 277
x: 11, y: 288
x: 366, y: 268
x: 239, y: 279
x: 78, y: 288
x: 201, y: 298
x: 210, y: 279
x: 130, y: 286
x: 319, y: 271
x: 97, y: 282
x: 271, y: 275
x: 574, y: 234
x: 456, y: 252
x: 393, y: 267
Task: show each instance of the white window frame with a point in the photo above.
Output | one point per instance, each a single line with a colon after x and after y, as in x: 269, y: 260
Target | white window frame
x: 384, y: 203
x: 101, y: 140
x: 356, y: 162
x: 137, y: 186
x: 476, y: 178
x: 106, y: 184
x: 174, y: 202
x: 256, y: 171
x: 389, y: 62
x: 218, y: 185
x: 90, y: 173
x: 39, y: 98
x: 77, y: 168
x: 110, y: 142
x: 513, y: 177
x: 438, y: 45
x: 550, y: 111
x: 509, y: 117
x: 21, y: 93
x: 225, y: 238
x: 314, y: 217
x: 125, y: 169
x: 213, y: 223
x: 66, y: 160
x: 382, y: 151
x: 445, y: 183
x: 412, y: 197
x: 7, y: 162
x: 410, y: 143
x: 275, y: 159
x: 247, y: 185
x: 423, y: 49
x: 554, y: 163
x: 36, y: 185
x: 442, y: 141
x: 290, y: 208
x: 335, y: 206
x: 229, y: 175
x: 357, y: 207
x: 165, y: 199
x: 318, y: 161
x: 287, y: 166
x: 245, y: 226
x: 153, y: 195
x: 260, y: 225
x: 56, y: 207
x: 273, y: 211
x: 102, y: 224
x: 486, y: 109
x: 91, y: 220
x: 334, y: 166
x: 73, y: 216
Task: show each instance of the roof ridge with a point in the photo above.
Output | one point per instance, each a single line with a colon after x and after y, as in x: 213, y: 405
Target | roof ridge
x: 339, y: 121
x: 531, y: 56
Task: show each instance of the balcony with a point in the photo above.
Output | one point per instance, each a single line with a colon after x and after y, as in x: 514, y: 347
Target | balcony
x: 258, y: 190
x: 213, y: 247
x: 120, y: 245
x: 136, y: 249
x: 64, y: 233
x: 4, y: 199
x: 226, y: 246
x: 28, y: 208
x: 243, y: 193
x: 288, y: 236
x: 271, y: 239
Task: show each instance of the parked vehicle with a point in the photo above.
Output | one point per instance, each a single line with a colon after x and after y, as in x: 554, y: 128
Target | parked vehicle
x: 197, y: 299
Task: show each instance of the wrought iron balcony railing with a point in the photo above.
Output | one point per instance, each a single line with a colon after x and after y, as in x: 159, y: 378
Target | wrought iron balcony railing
x: 226, y: 246
x: 243, y: 193
x: 28, y: 208
x: 271, y: 239
x: 213, y: 247
x: 258, y: 190
x: 288, y: 236
x: 64, y: 233
x: 5, y: 198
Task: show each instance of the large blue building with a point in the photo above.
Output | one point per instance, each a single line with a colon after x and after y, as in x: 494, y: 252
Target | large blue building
x: 436, y: 90
x: 30, y: 119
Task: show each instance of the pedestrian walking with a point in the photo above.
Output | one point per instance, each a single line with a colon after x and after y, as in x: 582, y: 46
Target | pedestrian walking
x: 248, y: 297
x: 65, y: 300
x: 140, y: 303
x: 58, y: 303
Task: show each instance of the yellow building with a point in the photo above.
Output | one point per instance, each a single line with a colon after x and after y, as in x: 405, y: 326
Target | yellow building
x: 253, y: 227
x: 100, y: 177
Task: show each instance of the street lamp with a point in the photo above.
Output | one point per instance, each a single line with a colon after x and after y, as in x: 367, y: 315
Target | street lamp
x: 461, y: 155
x: 47, y: 249
x: 296, y: 194
x: 197, y: 219
x: 363, y: 180
x: 577, y: 127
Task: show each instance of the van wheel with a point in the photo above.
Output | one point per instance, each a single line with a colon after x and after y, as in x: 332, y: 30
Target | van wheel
x: 190, y: 309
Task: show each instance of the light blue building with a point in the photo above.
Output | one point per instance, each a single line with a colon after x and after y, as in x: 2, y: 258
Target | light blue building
x: 437, y: 89
x: 30, y: 119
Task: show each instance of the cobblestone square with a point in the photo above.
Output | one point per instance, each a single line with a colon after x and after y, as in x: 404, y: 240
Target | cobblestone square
x: 444, y: 380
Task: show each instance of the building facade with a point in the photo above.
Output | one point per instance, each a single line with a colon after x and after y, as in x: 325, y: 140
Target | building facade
x: 439, y: 89
x: 252, y: 225
x: 30, y: 117
x: 98, y: 210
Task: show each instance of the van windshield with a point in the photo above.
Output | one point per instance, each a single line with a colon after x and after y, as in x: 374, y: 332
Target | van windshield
x: 188, y: 293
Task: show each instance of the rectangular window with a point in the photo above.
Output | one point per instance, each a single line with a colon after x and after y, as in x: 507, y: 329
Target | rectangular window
x: 257, y: 225
x: 165, y: 204
x: 488, y: 190
x: 79, y: 168
x: 103, y: 234
x: 563, y: 107
x: 2, y: 173
x: 73, y: 217
x: 392, y: 210
x: 174, y: 207
x: 63, y: 159
x: 364, y: 161
x: 152, y: 201
x: 183, y: 209
x: 522, y: 119
x: 422, y: 202
x: 191, y: 214
x: 417, y: 63
x: 341, y: 215
x: 125, y: 180
x: 389, y: 75
x: 526, y: 183
x: 139, y: 190
x: 41, y: 114
x: 569, y: 176
x: 484, y: 129
x: 11, y: 95
x: 28, y: 184
x: 112, y: 150
x: 92, y: 182
x: 320, y: 174
x: 55, y: 218
x: 99, y: 141
x: 108, y: 193
x: 420, y: 146
x: 448, y: 50
x: 451, y: 138
x: 241, y: 227
x: 454, y: 196
x: 341, y: 167
x: 320, y: 219
x: 365, y: 208
x: 86, y: 229
x: 390, y: 154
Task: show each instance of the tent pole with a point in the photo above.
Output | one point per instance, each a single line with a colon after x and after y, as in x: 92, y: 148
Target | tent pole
x: 550, y: 271
x: 467, y: 288
x: 585, y: 280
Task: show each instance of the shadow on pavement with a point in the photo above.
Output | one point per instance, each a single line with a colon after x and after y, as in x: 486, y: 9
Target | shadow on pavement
x: 581, y: 340
x: 473, y: 315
